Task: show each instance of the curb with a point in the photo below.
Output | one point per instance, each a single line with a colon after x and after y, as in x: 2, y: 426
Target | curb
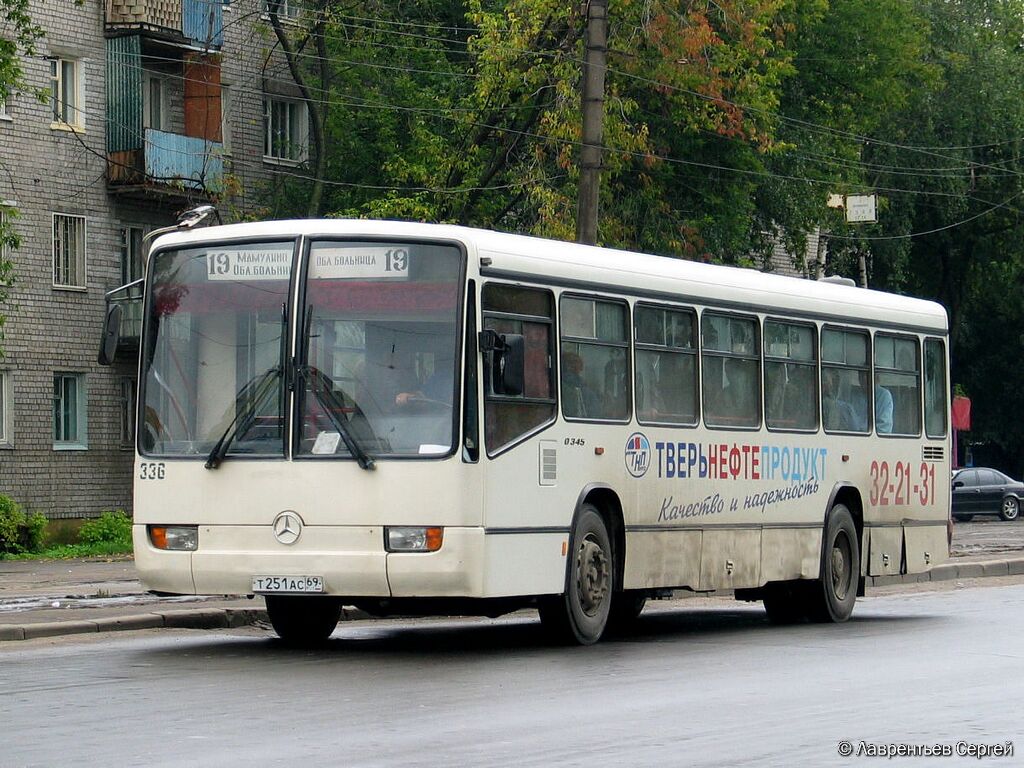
x: 199, y: 618
x: 227, y: 618
x: 976, y: 569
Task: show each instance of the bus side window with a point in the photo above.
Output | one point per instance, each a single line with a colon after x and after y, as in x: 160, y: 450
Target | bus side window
x: 790, y: 386
x: 897, y: 391
x: 936, y: 400
x: 595, y: 378
x: 844, y: 380
x: 730, y: 362
x: 528, y: 312
x: 666, y: 365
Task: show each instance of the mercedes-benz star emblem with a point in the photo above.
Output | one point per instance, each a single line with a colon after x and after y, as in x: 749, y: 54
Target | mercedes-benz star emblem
x: 287, y: 527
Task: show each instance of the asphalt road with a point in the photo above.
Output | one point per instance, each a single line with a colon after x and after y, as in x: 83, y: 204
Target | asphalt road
x: 698, y: 683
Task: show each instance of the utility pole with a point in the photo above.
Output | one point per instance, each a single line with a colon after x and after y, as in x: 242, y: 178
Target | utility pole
x: 594, y: 67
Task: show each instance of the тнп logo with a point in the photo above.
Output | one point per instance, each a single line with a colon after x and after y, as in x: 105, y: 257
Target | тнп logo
x: 638, y: 454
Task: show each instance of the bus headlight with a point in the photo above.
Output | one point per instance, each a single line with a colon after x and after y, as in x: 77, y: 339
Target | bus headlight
x: 413, y: 539
x: 175, y: 537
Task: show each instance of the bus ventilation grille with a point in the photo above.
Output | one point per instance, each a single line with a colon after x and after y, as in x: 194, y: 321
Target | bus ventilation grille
x: 932, y: 452
x: 548, y: 462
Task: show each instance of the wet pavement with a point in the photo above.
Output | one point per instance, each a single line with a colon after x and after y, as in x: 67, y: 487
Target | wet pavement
x: 91, y: 595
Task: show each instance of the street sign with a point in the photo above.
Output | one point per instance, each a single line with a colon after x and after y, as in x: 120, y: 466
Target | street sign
x: 860, y: 208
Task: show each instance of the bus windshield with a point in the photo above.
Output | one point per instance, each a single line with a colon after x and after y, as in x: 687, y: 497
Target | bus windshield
x: 376, y: 351
x: 379, y: 349
x: 214, y: 349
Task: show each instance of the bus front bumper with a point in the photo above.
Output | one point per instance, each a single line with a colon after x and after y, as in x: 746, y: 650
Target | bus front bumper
x: 351, y: 560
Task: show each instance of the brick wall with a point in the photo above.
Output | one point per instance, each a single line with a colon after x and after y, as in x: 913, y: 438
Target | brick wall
x: 56, y: 170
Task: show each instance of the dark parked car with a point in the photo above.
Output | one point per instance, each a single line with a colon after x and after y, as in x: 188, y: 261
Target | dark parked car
x: 983, y: 491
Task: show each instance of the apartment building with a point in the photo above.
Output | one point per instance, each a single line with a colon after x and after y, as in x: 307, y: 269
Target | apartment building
x: 151, y: 107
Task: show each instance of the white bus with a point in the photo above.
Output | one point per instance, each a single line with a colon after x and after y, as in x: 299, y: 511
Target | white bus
x: 417, y: 419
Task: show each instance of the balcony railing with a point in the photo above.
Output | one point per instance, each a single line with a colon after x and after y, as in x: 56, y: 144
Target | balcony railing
x: 169, y: 160
x: 199, y: 21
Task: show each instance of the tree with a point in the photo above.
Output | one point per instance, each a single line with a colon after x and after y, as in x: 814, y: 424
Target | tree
x: 957, y: 235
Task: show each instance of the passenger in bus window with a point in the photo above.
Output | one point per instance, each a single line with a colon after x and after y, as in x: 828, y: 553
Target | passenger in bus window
x: 883, y: 410
x: 580, y: 399
x: 838, y: 413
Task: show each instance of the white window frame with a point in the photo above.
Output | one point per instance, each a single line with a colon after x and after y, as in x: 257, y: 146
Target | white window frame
x: 298, y: 156
x: 287, y: 12
x: 67, y: 115
x: 76, y: 272
x: 151, y: 79
x: 6, y: 414
x: 69, y: 436
x: 5, y: 116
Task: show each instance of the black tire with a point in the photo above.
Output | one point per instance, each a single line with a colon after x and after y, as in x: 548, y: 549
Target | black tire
x: 785, y: 602
x: 627, y: 606
x: 303, y: 621
x: 832, y: 597
x: 581, y: 614
x: 1010, y: 508
x: 963, y: 518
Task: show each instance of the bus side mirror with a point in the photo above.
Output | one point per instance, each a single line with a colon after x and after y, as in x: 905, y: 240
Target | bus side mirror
x: 111, y: 335
x: 507, y: 355
x: 512, y: 365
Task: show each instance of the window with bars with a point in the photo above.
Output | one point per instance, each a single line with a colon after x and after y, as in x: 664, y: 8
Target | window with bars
x: 68, y: 251
x: 68, y: 410
x: 285, y: 129
x: 66, y: 92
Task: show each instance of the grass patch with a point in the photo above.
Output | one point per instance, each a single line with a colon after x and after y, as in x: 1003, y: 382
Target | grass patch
x: 72, y: 551
x: 24, y: 537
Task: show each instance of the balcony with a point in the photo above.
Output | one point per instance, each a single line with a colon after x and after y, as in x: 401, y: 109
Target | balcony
x: 163, y: 121
x: 167, y: 163
x: 196, y: 22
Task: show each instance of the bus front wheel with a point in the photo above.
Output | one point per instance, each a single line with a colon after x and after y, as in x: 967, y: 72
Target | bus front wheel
x: 833, y: 595
x: 581, y: 614
x: 303, y: 621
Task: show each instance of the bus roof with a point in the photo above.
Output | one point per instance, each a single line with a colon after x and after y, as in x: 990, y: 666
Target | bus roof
x: 590, y: 268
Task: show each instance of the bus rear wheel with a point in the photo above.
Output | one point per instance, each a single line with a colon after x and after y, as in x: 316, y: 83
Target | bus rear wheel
x: 832, y: 597
x: 786, y: 602
x: 303, y: 621
x: 581, y: 614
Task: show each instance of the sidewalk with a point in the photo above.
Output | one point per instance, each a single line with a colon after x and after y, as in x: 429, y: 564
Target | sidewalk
x: 65, y: 597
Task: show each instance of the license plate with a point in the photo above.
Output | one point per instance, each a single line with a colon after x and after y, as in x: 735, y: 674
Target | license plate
x: 287, y: 584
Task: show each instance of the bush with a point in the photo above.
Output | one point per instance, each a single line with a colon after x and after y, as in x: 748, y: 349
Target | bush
x: 108, y: 528
x: 11, y: 519
x: 34, y: 532
x: 18, y: 532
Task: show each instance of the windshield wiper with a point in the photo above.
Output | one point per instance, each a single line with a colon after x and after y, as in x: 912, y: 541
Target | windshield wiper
x: 255, y: 391
x: 329, y: 401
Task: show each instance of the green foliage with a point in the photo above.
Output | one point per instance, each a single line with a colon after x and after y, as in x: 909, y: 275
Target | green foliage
x: 726, y: 125
x: 19, y: 533
x: 109, y: 528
